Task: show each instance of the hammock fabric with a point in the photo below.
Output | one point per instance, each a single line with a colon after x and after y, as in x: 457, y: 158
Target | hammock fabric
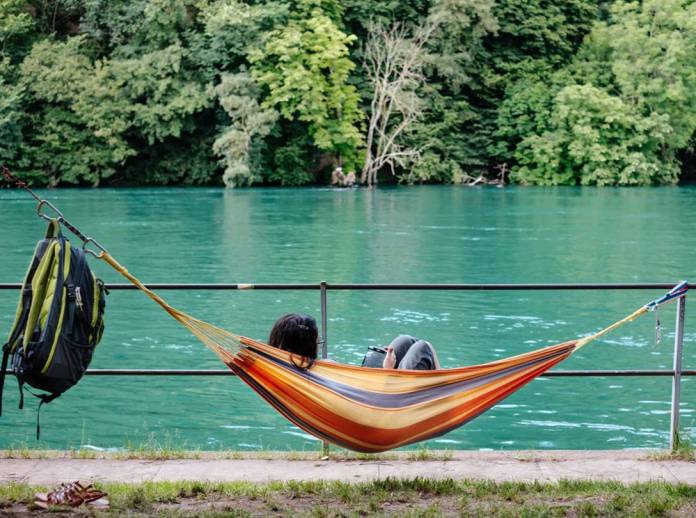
x: 374, y: 410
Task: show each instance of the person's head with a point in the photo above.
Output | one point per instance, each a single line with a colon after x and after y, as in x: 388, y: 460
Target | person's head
x: 297, y: 334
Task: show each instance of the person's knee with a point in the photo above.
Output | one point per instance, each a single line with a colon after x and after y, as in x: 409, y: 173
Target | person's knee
x: 403, y: 339
x: 401, y: 344
x: 420, y: 356
x: 422, y: 347
x: 431, y: 353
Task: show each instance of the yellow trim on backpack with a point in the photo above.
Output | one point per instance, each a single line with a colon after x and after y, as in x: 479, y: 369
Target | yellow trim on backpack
x: 38, y: 287
x: 57, y: 334
x: 95, y: 300
x: 50, y: 289
x: 66, y: 272
x: 20, y: 305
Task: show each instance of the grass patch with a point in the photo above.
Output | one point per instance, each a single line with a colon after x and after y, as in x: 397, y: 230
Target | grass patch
x: 170, y: 446
x: 405, y: 497
x: 424, y: 453
x: 157, y: 451
x: 17, y: 493
x: 684, y: 451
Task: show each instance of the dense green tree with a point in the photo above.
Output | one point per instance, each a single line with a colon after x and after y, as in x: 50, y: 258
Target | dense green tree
x: 16, y: 24
x: 529, y: 102
x: 112, y: 24
x: 451, y: 129
x: 635, y: 71
x: 10, y: 114
x: 276, y: 91
x: 92, y: 115
x: 305, y: 66
x: 239, y: 143
x: 291, y: 159
x: 595, y: 138
x: 144, y: 93
x: 128, y: 28
x: 532, y: 37
x: 61, y: 145
x: 228, y: 31
x: 146, y: 96
x: 654, y: 60
x: 537, y: 29
x: 184, y: 160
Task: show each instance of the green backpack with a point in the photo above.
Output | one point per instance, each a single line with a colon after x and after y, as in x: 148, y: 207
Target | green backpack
x: 59, y: 320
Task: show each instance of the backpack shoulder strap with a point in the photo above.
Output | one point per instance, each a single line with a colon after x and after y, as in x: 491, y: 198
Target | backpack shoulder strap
x: 53, y: 229
x: 26, y: 294
x: 47, y: 285
x: 3, y: 371
x: 48, y: 312
x: 19, y: 325
x: 44, y: 398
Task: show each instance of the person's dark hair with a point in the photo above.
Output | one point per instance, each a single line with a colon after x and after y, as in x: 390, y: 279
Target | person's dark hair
x: 296, y: 334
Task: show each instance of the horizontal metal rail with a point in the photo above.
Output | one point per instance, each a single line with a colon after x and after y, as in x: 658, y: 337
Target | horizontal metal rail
x: 323, y: 287
x: 223, y: 372
x: 427, y: 287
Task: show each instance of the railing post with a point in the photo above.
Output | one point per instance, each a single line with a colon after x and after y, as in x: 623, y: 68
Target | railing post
x: 324, y: 345
x: 676, y: 378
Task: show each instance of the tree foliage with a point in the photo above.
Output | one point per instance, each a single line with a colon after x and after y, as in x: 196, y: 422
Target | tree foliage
x: 449, y: 132
x: 239, y: 143
x: 10, y: 115
x: 595, y: 138
x: 242, y: 92
x: 63, y: 145
x: 305, y: 66
x: 16, y: 26
x: 619, y: 112
x: 654, y: 60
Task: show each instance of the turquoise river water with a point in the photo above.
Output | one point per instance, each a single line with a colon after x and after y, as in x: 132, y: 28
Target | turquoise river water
x: 437, y: 234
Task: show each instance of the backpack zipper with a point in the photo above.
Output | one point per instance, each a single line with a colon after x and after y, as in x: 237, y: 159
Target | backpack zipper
x: 78, y: 298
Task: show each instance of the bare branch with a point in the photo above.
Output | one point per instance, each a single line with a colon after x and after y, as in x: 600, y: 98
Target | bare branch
x: 394, y: 65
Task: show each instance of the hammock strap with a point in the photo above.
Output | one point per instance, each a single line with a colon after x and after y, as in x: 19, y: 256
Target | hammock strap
x: 123, y: 271
x: 584, y: 341
x: 678, y: 291
x: 207, y: 333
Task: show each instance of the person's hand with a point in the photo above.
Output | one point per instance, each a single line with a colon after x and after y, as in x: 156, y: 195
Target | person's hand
x: 390, y: 359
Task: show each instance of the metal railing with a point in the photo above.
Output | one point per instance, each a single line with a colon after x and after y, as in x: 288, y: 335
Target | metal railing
x: 677, y: 372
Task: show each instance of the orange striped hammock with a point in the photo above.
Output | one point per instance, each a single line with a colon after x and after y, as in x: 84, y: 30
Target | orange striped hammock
x: 374, y: 410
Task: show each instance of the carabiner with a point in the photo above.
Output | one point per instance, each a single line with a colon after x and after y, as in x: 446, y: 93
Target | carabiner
x: 50, y: 206
x: 89, y: 240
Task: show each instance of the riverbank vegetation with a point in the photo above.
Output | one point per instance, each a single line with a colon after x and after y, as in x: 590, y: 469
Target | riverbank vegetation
x: 284, y: 92
x: 409, y: 497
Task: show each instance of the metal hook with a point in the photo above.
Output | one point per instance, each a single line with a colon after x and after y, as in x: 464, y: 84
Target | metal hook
x: 89, y: 240
x: 59, y: 215
x: 50, y: 206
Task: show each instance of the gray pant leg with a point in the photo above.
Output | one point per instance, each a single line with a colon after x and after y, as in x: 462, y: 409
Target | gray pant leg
x: 420, y: 356
x: 401, y: 344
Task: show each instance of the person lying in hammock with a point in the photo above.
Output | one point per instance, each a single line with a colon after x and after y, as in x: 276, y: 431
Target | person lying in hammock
x: 409, y: 353
x: 298, y: 334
